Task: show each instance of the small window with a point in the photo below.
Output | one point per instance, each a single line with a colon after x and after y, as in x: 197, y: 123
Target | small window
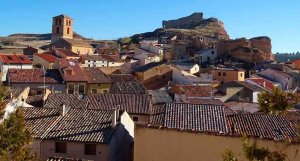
x: 70, y: 23
x: 81, y: 89
x: 71, y: 88
x: 241, y: 74
x: 68, y: 30
x: 105, y: 91
x: 9, y: 57
x: 94, y: 91
x: 219, y: 73
x: 67, y: 22
x: 57, y: 30
x: 212, y: 52
x: 208, y: 58
x: 135, y: 118
x: 59, y: 21
x: 224, y: 73
x: 56, y: 21
x: 60, y: 147
x: 90, y: 149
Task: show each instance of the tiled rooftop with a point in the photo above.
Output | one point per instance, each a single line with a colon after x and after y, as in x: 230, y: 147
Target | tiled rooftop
x: 82, y: 125
x: 131, y: 87
x: 147, y: 67
x: 35, y: 101
x: 160, y: 96
x: 47, y: 57
x: 14, y: 59
x: 263, y: 126
x: 38, y: 120
x: 192, y: 90
x: 34, y: 76
x: 54, y: 100
x: 132, y: 103
x: 95, y: 75
x: 242, y: 107
x: 204, y: 118
x: 76, y: 74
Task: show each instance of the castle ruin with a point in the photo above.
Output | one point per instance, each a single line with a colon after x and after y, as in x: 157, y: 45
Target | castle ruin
x: 184, y: 22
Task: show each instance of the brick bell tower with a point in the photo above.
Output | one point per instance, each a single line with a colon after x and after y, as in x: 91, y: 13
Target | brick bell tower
x: 62, y: 27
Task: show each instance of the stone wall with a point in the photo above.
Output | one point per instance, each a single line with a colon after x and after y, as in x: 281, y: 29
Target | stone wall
x: 184, y: 22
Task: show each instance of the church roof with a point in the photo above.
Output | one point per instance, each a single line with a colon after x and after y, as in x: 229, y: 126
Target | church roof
x: 63, y: 16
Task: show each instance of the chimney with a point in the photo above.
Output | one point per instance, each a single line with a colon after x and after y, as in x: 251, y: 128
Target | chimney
x: 62, y: 109
x: 264, y: 84
x: 115, y: 117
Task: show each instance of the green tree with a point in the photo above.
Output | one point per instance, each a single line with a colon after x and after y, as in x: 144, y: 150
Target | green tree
x: 276, y: 101
x: 15, y: 139
x: 125, y: 41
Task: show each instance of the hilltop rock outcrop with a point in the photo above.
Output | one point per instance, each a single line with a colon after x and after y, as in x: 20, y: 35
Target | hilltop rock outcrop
x: 256, y: 49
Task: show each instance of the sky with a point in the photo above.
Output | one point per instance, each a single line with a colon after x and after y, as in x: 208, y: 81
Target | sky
x: 112, y: 19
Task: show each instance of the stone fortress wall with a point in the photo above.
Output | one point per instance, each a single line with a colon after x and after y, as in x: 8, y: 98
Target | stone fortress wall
x: 184, y: 22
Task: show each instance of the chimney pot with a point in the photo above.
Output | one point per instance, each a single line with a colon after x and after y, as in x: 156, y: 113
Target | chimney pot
x: 62, y: 109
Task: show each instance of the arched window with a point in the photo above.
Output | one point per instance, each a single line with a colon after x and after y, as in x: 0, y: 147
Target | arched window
x: 59, y: 21
x: 69, y: 22
x: 57, y: 30
x: 56, y: 21
x: 68, y: 30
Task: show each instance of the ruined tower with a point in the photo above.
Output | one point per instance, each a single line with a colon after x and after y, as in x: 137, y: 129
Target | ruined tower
x: 62, y: 27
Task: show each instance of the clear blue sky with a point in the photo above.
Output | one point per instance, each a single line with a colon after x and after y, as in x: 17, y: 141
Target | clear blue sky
x: 111, y: 19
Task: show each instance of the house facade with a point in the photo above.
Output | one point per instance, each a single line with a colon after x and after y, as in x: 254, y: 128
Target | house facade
x: 228, y: 74
x: 13, y: 61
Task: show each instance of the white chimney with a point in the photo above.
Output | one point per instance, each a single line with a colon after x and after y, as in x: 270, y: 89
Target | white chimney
x: 264, y: 83
x: 62, y: 109
x: 115, y: 117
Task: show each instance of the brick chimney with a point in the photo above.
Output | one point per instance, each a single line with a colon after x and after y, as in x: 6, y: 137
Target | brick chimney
x: 115, y: 117
x: 62, y: 109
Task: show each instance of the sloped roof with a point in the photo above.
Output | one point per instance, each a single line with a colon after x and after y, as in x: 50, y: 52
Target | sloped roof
x: 77, y: 73
x: 132, y: 103
x: 14, y: 59
x: 47, y: 57
x: 196, y: 117
x: 160, y: 96
x: 63, y: 16
x: 83, y: 125
x: 264, y: 126
x: 131, y: 87
x: 38, y: 120
x: 148, y: 66
x: 54, y: 100
x: 192, y: 90
x: 78, y: 42
x: 34, y: 76
x: 95, y: 75
x: 35, y: 101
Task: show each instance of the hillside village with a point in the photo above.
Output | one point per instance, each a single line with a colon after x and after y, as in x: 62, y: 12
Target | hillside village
x: 184, y: 89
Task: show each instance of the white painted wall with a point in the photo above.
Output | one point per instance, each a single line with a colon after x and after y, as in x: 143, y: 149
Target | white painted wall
x: 4, y: 68
x: 203, y: 55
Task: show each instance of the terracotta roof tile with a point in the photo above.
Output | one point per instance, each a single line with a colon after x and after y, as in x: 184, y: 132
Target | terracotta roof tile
x: 14, y: 59
x: 35, y: 101
x: 54, y: 100
x: 71, y: 70
x: 263, y: 126
x: 48, y: 57
x: 192, y: 90
x: 83, y: 125
x: 34, y: 76
x: 95, y: 75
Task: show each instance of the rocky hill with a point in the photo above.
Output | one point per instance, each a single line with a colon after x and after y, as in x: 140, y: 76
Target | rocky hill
x: 257, y: 49
x: 193, y: 25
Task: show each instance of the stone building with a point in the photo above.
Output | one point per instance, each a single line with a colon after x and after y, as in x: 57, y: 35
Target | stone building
x: 62, y: 36
x: 62, y: 27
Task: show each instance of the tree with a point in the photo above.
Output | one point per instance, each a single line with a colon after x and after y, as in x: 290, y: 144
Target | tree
x: 125, y: 41
x: 15, y: 139
x: 276, y: 101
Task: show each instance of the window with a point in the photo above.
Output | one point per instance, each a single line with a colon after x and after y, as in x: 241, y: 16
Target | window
x: 81, y: 89
x: 60, y: 147
x: 69, y: 71
x: 56, y: 21
x: 241, y: 74
x: 94, y: 91
x: 90, y: 149
x: 135, y: 118
x: 59, y: 21
x: 208, y: 58
x: 219, y: 74
x: 67, y: 22
x: 57, y: 30
x: 212, y: 52
x: 105, y: 91
x: 224, y: 73
x: 71, y: 88
x: 68, y: 30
